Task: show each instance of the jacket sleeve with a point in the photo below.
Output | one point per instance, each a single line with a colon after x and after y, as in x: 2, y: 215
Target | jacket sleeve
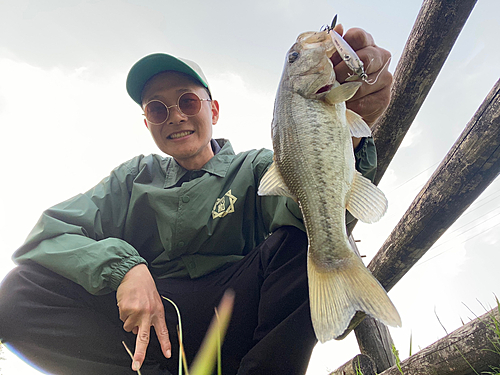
x: 80, y: 238
x: 366, y: 158
x: 281, y: 211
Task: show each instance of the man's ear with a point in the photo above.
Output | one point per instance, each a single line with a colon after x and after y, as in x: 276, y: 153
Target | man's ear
x: 215, y: 111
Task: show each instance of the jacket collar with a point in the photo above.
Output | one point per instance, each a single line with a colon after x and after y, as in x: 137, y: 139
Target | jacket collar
x: 218, y: 165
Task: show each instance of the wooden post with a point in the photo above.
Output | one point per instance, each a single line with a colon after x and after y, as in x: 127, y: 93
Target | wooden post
x: 471, y: 349
x: 469, y: 167
x: 374, y: 338
x: 360, y: 363
x: 436, y: 28
x: 438, y: 25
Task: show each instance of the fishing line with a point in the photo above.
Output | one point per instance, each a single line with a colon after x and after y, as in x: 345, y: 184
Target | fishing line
x: 404, y: 183
x: 475, y: 207
x: 470, y: 222
x: 379, y: 73
x: 444, y: 251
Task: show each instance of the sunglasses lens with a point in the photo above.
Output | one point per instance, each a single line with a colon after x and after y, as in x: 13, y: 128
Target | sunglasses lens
x: 156, y: 112
x: 189, y: 104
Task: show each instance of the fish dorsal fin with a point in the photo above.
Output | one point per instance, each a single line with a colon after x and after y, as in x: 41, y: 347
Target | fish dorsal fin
x: 359, y: 128
x: 342, y: 93
x: 272, y: 184
x: 366, y: 201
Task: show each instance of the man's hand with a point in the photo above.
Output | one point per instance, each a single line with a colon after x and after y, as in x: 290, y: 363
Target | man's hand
x: 140, y: 308
x: 371, y: 100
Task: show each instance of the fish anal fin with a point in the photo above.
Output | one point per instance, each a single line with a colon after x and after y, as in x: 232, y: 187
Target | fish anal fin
x: 272, y: 184
x: 366, y: 201
x: 359, y: 128
x: 336, y: 294
x: 342, y: 93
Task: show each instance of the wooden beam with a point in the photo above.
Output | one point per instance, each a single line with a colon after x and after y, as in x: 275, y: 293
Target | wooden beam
x: 360, y: 363
x: 438, y: 25
x: 375, y: 341
x: 374, y: 338
x: 436, y: 28
x: 471, y: 349
x: 469, y: 167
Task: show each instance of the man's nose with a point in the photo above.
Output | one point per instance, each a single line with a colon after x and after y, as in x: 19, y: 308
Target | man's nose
x: 174, y: 112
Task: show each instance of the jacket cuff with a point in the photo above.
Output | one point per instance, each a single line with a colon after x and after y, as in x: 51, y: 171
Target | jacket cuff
x: 122, y: 268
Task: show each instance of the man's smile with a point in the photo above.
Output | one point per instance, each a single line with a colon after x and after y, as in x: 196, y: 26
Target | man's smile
x: 180, y: 134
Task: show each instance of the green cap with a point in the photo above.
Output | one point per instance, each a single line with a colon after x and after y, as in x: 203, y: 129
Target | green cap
x: 156, y: 63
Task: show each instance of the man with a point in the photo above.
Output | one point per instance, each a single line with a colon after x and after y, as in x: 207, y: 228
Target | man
x: 187, y: 227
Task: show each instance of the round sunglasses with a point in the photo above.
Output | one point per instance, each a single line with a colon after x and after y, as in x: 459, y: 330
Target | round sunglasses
x: 188, y: 104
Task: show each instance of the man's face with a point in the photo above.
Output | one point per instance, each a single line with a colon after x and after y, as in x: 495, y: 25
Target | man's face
x: 186, y: 139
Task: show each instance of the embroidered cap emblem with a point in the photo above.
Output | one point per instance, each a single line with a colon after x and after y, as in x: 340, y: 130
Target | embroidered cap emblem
x: 224, y: 205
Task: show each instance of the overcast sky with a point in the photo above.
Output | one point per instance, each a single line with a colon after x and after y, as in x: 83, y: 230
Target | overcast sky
x: 67, y: 121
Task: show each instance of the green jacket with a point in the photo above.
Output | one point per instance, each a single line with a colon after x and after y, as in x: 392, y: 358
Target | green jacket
x: 180, y: 223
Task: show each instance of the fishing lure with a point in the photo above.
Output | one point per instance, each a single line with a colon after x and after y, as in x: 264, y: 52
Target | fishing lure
x: 345, y: 51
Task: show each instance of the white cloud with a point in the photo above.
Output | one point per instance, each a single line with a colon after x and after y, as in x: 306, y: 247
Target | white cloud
x: 245, y: 112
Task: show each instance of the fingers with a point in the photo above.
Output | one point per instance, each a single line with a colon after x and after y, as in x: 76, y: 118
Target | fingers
x: 374, y: 60
x: 141, y: 308
x: 370, y: 107
x: 141, y: 345
x: 143, y: 336
x: 161, y: 330
x: 358, y: 38
x: 373, y: 97
x: 376, y: 81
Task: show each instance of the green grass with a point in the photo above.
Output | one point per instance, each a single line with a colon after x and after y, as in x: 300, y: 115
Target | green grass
x: 396, y: 355
x: 493, y: 324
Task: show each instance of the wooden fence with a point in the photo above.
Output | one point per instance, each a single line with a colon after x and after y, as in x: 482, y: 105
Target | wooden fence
x: 469, y: 167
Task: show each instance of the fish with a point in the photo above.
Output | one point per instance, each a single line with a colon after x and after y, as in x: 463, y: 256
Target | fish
x: 314, y: 164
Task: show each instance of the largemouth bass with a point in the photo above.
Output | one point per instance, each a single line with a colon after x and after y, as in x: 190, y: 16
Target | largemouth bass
x: 314, y: 164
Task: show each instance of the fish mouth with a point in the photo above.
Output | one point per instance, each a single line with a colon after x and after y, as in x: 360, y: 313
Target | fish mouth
x: 325, y: 88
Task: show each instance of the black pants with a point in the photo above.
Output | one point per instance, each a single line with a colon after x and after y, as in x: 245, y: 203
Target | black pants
x: 58, y: 326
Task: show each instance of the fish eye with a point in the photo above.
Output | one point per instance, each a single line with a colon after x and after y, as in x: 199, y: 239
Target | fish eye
x: 292, y: 56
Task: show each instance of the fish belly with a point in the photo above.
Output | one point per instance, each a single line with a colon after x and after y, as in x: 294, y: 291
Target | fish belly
x: 314, y: 154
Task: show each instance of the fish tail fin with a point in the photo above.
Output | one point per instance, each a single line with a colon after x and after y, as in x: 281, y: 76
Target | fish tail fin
x: 336, y: 294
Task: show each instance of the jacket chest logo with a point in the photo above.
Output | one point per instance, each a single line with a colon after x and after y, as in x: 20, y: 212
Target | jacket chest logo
x: 224, y: 205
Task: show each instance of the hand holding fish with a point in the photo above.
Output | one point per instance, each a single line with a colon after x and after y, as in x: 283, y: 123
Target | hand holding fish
x: 371, y: 100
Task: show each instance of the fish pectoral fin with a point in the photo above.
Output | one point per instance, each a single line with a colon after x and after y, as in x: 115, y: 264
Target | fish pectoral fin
x: 337, y: 292
x: 359, y: 128
x: 342, y: 93
x: 366, y: 201
x: 272, y: 184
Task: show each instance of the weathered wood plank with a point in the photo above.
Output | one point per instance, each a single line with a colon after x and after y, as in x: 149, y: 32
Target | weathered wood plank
x: 472, y: 346
x: 374, y: 340
x: 361, y: 362
x: 434, y: 33
x: 438, y: 25
x: 469, y: 167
